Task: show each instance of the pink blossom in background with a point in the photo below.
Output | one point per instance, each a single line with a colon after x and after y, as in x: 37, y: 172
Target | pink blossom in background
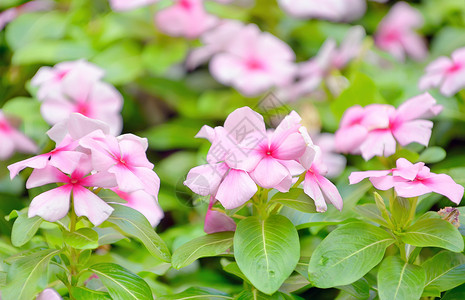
x: 10, y: 14
x: 13, y: 140
x: 122, y: 5
x: 374, y: 129
x: 81, y: 94
x: 254, y: 62
x: 334, y: 162
x: 332, y: 10
x: 396, y: 33
x: 49, y: 294
x: 412, y: 180
x: 446, y: 73
x: 54, y: 204
x: 186, y: 18
x: 143, y: 202
x: 50, y: 80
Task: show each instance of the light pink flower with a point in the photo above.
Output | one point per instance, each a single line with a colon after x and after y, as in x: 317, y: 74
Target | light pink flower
x: 446, y: 73
x: 54, y: 204
x: 216, y: 221
x: 254, y: 62
x: 10, y: 14
x: 332, y: 10
x: 49, y: 294
x: 124, y: 157
x: 82, y: 94
x: 13, y: 140
x: 396, y: 33
x: 122, y: 5
x: 66, y: 134
x: 143, y: 202
x: 186, y: 18
x: 373, y: 130
x: 334, y: 162
x: 412, y: 180
x: 50, y: 80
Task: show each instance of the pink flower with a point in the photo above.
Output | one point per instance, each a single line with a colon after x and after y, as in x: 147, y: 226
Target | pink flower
x: 216, y: 221
x: 82, y: 94
x: 50, y: 80
x: 53, y: 205
x: 332, y: 10
x: 49, y: 294
x: 10, y: 14
x: 13, y: 140
x: 143, y: 202
x: 396, y: 33
x: 254, y: 62
x: 373, y: 130
x: 412, y: 180
x: 320, y: 189
x: 448, y: 74
x: 122, y: 5
x: 186, y: 18
x: 334, y: 162
x: 124, y: 157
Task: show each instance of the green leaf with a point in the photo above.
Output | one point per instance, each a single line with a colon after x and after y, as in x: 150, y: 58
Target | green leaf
x: 88, y: 294
x: 401, y: 211
x: 232, y: 268
x: 398, y: 280
x: 347, y: 254
x: 266, y: 251
x: 160, y: 57
x: 360, y: 289
x: 121, y: 283
x: 455, y: 294
x: 173, y: 135
x: 25, y: 273
x: 432, y: 155
x: 24, y: 229
x: 257, y: 295
x: 444, y: 271
x: 371, y: 212
x: 135, y: 224
x: 296, y: 199
x: 198, y: 294
x: 208, y: 245
x: 382, y: 208
x: 434, y: 233
x: 83, y: 238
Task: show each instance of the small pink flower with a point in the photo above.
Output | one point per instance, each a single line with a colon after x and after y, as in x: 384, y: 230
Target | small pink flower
x: 216, y: 221
x: 412, y: 180
x: 332, y: 10
x: 143, y: 202
x: 53, y: 205
x: 10, y: 14
x: 49, y: 294
x: 13, y: 140
x: 122, y: 5
x: 50, y: 80
x: 186, y: 18
x: 448, y: 74
x: 396, y: 33
x: 334, y: 162
x: 254, y: 62
x: 373, y: 130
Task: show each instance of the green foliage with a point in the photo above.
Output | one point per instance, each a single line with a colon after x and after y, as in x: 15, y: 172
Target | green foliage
x: 296, y: 199
x: 83, y: 238
x: 24, y: 229
x: 197, y: 293
x: 444, y: 271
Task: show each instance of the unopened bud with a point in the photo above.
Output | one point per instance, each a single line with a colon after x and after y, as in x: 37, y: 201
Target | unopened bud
x: 451, y: 215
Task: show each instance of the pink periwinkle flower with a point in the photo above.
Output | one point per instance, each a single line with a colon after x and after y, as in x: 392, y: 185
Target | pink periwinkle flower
x: 333, y: 162
x: 186, y: 18
x: 374, y: 129
x: 10, y: 14
x: 332, y: 10
x: 144, y: 203
x: 50, y: 80
x: 13, y: 140
x: 123, y: 5
x: 412, y: 180
x: 396, y: 33
x: 446, y: 73
x: 254, y: 62
x: 216, y: 221
x: 49, y: 294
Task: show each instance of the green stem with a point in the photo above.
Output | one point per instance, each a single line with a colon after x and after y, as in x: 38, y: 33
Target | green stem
x: 74, y: 253
x: 300, y: 180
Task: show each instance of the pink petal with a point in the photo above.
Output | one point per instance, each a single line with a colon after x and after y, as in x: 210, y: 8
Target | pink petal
x: 269, y: 173
x: 409, y: 189
x: 48, y: 174
x: 99, y: 180
x: 443, y: 184
x: 378, y: 143
x: 383, y: 183
x: 356, y: 177
x: 205, y: 179
x: 149, y: 179
x: 145, y: 204
x: 55, y: 111
x: 36, y: 162
x: 330, y: 191
x: 90, y: 205
x: 416, y: 107
x: 206, y: 132
x: 312, y: 189
x: 49, y: 294
x: 236, y: 189
x: 66, y: 161
x: 216, y: 221
x: 126, y: 179
x: 242, y: 122
x: 418, y: 131
x: 292, y: 147
x: 51, y: 205
x: 349, y: 139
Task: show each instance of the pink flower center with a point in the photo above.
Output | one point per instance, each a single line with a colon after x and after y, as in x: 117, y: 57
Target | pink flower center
x: 83, y: 108
x: 185, y: 4
x: 254, y: 64
x: 59, y: 76
x: 5, y: 127
x: 454, y: 68
x: 392, y: 35
x: 74, y: 181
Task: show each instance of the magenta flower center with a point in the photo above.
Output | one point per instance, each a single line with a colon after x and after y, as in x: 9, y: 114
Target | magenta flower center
x: 454, y: 68
x: 4, y: 126
x: 60, y: 75
x: 185, y: 4
x: 254, y: 64
x: 392, y: 35
x: 83, y: 108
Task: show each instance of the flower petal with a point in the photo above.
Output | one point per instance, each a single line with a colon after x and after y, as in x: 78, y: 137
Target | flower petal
x: 443, y: 184
x: 236, y: 189
x: 90, y: 205
x: 269, y: 173
x: 51, y: 205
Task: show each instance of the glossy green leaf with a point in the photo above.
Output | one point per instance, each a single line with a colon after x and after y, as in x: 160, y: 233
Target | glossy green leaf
x: 370, y: 211
x: 360, y: 289
x: 444, y: 271
x: 24, y: 229
x: 347, y: 254
x: 121, y: 283
x: 455, y: 294
x: 83, y: 238
x: 25, y: 273
x: 88, y: 294
x: 401, y: 211
x: 232, y: 268
x: 296, y: 199
x: 208, y: 245
x: 398, y: 280
x: 434, y: 233
x: 197, y: 293
x: 135, y: 224
x: 266, y: 251
x: 432, y: 155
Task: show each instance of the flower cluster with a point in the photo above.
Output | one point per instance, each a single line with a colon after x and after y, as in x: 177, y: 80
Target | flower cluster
x: 88, y: 158
x: 411, y: 180
x: 13, y: 140
x: 374, y: 129
x: 77, y: 86
x: 245, y: 155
